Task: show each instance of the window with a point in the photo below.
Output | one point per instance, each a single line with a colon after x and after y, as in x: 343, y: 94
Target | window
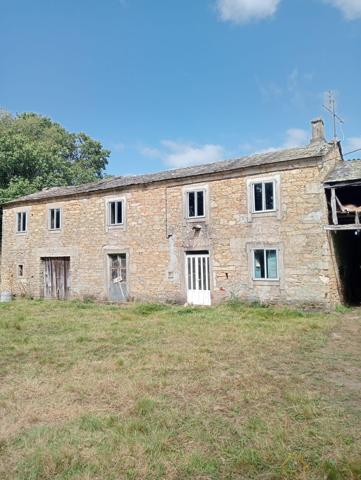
x: 265, y: 264
x: 196, y: 203
x: 20, y: 271
x: 264, y: 196
x: 21, y: 222
x: 115, y: 213
x: 55, y: 219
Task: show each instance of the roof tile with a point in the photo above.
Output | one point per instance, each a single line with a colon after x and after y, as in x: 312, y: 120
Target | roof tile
x: 310, y: 151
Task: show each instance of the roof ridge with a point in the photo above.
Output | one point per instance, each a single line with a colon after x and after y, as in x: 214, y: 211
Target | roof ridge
x: 109, y: 183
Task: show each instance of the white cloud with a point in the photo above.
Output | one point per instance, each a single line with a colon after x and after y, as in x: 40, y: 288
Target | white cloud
x: 243, y: 11
x: 150, y: 152
x: 178, y: 154
x: 183, y: 154
x: 351, y: 9
x: 295, y: 137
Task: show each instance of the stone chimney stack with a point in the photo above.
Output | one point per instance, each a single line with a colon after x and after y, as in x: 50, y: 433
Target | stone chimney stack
x: 318, y: 131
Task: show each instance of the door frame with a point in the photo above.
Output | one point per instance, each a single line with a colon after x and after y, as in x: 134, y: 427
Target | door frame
x: 108, y: 254
x: 67, y: 279
x: 193, y: 252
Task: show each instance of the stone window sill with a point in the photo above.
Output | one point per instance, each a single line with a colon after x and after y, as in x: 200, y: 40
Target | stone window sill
x: 266, y: 283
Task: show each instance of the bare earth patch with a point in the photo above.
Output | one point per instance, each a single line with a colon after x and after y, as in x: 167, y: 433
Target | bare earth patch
x: 158, y: 392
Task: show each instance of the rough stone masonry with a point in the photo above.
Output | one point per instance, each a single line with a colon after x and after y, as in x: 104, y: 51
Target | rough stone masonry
x: 157, y: 232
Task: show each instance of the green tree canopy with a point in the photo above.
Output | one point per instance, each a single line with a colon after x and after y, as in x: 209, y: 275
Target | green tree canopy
x: 36, y: 152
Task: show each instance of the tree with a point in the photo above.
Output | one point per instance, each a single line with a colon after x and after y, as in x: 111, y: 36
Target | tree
x: 36, y: 152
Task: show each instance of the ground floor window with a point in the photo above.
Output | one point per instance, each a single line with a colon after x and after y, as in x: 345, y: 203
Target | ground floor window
x: 20, y: 271
x: 265, y: 264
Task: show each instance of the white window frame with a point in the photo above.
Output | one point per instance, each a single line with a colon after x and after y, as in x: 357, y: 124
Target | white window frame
x: 55, y: 229
x: 108, y: 213
x: 21, y: 213
x: 266, y: 278
x: 264, y: 209
x: 117, y: 202
x: 196, y: 191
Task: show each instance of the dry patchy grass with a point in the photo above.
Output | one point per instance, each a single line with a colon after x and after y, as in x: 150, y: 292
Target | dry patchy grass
x: 159, y: 392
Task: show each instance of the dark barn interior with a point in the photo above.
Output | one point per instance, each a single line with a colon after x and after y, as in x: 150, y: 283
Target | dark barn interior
x: 348, y: 253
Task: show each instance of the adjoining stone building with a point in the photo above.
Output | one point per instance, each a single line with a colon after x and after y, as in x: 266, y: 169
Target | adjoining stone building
x: 251, y: 228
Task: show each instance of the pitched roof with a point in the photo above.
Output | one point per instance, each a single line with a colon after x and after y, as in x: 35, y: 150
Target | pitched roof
x: 311, y: 151
x: 346, y: 171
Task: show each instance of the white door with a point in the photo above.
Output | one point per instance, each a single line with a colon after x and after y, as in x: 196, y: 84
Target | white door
x: 198, y: 279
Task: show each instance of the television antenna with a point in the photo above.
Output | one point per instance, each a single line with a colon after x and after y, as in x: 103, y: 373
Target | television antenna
x: 331, y: 108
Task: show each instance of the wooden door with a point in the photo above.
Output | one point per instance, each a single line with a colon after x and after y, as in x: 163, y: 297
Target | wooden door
x: 56, y: 277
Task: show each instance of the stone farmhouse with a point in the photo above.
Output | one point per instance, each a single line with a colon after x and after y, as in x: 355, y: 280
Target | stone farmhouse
x: 273, y: 227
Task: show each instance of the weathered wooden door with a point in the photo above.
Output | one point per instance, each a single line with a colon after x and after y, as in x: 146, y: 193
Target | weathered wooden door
x: 118, y: 287
x: 56, y: 277
x: 198, y: 279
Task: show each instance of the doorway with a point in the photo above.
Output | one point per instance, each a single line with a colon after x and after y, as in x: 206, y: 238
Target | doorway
x: 198, y: 278
x: 348, y: 254
x: 118, y: 284
x: 56, y: 277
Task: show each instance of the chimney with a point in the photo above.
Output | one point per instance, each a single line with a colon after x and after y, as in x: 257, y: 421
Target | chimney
x: 318, y: 131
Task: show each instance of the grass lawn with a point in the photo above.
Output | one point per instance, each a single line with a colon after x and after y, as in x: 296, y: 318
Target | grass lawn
x: 160, y: 392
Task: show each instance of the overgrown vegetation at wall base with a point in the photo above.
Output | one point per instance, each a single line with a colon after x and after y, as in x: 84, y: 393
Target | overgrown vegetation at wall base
x: 93, y: 391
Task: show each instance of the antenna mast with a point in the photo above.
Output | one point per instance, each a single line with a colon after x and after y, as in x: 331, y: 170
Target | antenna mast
x: 331, y: 108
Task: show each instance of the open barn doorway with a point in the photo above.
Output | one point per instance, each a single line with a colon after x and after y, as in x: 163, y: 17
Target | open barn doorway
x: 348, y: 253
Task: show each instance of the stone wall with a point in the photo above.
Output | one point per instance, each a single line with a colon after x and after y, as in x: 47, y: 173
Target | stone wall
x: 156, y: 235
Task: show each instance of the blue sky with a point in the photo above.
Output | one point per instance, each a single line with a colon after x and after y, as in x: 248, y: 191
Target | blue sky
x: 168, y: 83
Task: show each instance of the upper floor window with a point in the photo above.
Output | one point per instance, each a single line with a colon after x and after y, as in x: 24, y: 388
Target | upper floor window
x: 264, y: 196
x: 21, y: 222
x: 55, y: 218
x: 115, y: 213
x: 196, y: 203
x: 265, y: 264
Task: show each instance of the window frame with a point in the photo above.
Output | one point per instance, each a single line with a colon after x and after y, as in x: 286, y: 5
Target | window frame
x: 195, y: 191
x: 21, y: 214
x: 116, y: 200
x: 263, y: 182
x: 20, y: 266
x: 266, y: 278
x: 55, y: 209
x: 109, y: 214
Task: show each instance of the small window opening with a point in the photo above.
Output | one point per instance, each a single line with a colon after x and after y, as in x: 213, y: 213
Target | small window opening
x: 20, y: 270
x: 55, y: 219
x: 196, y: 203
x: 264, y: 196
x: 115, y: 212
x: 265, y: 264
x: 21, y: 222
